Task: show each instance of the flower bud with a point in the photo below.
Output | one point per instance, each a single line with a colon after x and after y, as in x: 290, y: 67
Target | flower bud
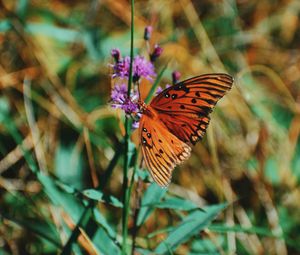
x: 156, y: 53
x: 175, y: 77
x: 116, y: 54
x: 147, y: 33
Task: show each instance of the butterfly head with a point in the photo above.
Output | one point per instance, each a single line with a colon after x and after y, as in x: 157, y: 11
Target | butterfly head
x: 147, y: 109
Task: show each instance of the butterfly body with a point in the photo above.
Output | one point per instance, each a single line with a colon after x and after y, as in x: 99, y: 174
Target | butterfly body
x: 177, y: 118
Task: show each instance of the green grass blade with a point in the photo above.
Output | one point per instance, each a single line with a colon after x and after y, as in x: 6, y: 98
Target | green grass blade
x: 155, y: 85
x: 39, y: 228
x: 99, y: 196
x: 152, y: 196
x: 176, y: 203
x: 190, y: 226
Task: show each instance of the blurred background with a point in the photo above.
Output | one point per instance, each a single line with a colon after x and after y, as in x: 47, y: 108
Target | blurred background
x: 56, y: 125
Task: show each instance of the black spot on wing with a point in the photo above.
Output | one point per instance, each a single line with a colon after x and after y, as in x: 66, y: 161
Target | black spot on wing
x: 181, y: 86
x: 144, y: 141
x: 204, y: 111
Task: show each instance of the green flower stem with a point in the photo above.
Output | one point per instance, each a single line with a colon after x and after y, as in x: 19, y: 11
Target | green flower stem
x: 131, y: 48
x: 126, y: 191
x: 130, y: 191
x: 125, y: 188
x: 157, y: 81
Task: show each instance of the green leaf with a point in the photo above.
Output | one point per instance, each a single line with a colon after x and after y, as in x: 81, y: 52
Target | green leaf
x: 68, y: 163
x: 40, y: 228
x: 58, y: 33
x: 109, y: 170
x: 21, y: 8
x: 99, y: 218
x: 4, y: 108
x: 152, y: 196
x: 206, y: 246
x: 143, y: 174
x: 59, y: 197
x: 132, y: 153
x: 143, y: 251
x: 190, y: 226
x: 237, y: 228
x: 296, y: 161
x: 160, y: 231
x: 177, y: 204
x: 84, y: 220
x: 5, y: 25
x: 99, y: 196
x: 272, y: 171
x: 56, y: 194
x: 75, y: 247
x: 105, y: 244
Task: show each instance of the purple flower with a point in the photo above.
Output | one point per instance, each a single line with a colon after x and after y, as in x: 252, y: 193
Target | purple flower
x: 156, y: 53
x: 147, y: 33
x: 130, y: 107
x: 120, y: 99
x: 175, y: 77
x: 142, y: 68
x: 119, y: 93
x: 121, y: 68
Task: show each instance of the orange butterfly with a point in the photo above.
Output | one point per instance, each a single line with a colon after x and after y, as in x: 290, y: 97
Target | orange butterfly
x: 177, y: 118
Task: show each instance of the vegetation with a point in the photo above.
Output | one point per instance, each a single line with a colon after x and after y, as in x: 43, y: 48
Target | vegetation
x: 65, y: 187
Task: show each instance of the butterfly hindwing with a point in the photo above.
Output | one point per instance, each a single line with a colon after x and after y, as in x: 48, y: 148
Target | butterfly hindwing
x: 185, y: 107
x: 162, y: 150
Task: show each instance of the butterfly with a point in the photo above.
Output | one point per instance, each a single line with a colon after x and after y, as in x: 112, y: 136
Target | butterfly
x: 176, y: 119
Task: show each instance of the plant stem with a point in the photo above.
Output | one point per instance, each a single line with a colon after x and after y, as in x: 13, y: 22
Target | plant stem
x: 126, y: 191
x: 131, y: 48
x: 135, y: 227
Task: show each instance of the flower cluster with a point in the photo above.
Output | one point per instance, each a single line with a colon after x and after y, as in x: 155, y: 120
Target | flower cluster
x: 121, y: 100
x: 142, y: 68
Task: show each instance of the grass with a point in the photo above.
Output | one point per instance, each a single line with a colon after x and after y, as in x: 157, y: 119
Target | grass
x: 64, y: 184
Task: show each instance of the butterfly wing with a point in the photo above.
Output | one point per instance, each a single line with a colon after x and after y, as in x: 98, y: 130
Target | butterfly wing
x: 161, y: 150
x: 185, y: 107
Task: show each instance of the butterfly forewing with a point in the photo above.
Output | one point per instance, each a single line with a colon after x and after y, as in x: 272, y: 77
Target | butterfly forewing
x: 162, y: 150
x: 185, y: 107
